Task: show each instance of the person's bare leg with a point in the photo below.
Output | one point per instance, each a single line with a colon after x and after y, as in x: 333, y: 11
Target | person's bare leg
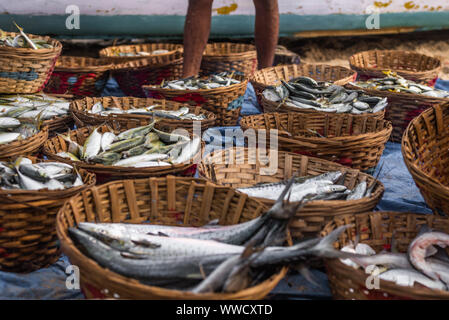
x: 267, y: 31
x: 196, y: 34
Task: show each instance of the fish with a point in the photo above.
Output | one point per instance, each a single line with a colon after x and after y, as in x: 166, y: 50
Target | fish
x: 140, y: 158
x: 194, y: 83
x: 417, y: 252
x: 408, y: 277
x: 188, y: 151
x: 107, y: 139
x: 6, y: 137
x: 358, y: 192
x: 123, y: 145
x: 67, y: 155
x: 175, y: 263
x: 9, y: 123
x: 92, y: 145
x: 136, y: 132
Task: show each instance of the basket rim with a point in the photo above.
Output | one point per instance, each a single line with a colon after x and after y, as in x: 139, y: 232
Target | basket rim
x: 404, y: 95
x: 380, y: 190
x: 213, y: 54
x: 85, y: 175
x: 84, y: 101
x: 232, y: 87
x: 388, y: 285
x: 402, y: 71
x: 143, y: 63
x: 300, y: 66
x: 386, y: 129
x: 106, y: 51
x: 69, y: 248
x: 44, y: 130
x: 413, y: 168
x: 57, y: 45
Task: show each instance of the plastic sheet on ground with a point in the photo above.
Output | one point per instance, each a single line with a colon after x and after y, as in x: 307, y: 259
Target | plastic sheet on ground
x: 401, y: 194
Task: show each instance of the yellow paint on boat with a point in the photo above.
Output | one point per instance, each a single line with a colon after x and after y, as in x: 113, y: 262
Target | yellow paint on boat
x: 379, y: 4
x: 227, y: 9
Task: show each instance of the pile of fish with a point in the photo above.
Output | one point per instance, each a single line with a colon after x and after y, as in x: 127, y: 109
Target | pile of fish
x: 214, y: 81
x: 23, y: 41
x: 141, y: 53
x: 138, y: 147
x: 306, y: 93
x: 21, y: 116
x: 426, y: 262
x: 327, y: 186
x: 181, y: 114
x: 211, y: 258
x: 395, y: 83
x: 23, y: 174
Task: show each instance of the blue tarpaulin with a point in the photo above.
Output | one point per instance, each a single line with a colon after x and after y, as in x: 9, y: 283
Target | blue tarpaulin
x: 401, y: 194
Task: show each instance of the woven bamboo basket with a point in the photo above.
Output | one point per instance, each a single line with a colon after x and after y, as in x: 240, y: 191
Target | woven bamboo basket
x: 263, y: 78
x: 271, y: 106
x: 352, y: 141
x: 284, y: 56
x: 80, y: 76
x: 79, y: 109
x: 28, y: 239
x: 402, y: 108
x: 376, y: 229
x: 242, y: 167
x: 224, y: 102
x: 229, y: 57
x: 24, y: 147
x: 134, y: 74
x: 110, y: 53
x: 106, y: 173
x: 168, y: 200
x: 425, y: 148
x: 410, y: 65
x: 25, y: 70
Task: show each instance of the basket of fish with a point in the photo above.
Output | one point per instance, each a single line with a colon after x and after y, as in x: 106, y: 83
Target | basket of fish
x: 425, y: 149
x: 268, y: 77
x: 125, y: 53
x: 31, y: 193
x: 352, y: 141
x: 305, y: 95
x: 221, y: 94
x: 79, y: 76
x: 333, y: 189
x: 153, y: 70
x: 184, y: 239
x: 26, y: 61
x: 399, y: 256
x: 229, y: 57
x: 52, y: 111
x: 406, y: 99
x: 20, y: 137
x: 128, y: 112
x: 126, y: 154
x: 408, y: 64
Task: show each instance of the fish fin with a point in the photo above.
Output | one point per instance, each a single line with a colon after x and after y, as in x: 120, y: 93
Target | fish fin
x: 212, y: 223
x: 325, y: 248
x: 159, y: 234
x: 134, y: 256
x: 146, y: 244
x: 305, y: 272
x: 276, y: 210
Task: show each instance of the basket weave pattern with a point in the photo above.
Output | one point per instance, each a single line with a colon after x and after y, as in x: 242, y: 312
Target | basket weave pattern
x: 351, y: 141
x: 132, y: 75
x: 425, y: 148
x: 25, y: 147
x: 79, y: 109
x: 28, y: 239
x: 376, y: 229
x: 80, y: 76
x: 242, y: 167
x: 25, y: 70
x: 110, y: 53
x: 410, y: 65
x: 224, y: 102
x: 169, y: 200
x: 229, y: 57
x: 263, y: 78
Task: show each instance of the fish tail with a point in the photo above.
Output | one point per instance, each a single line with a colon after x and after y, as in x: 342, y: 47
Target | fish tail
x: 278, y: 209
x: 325, y: 248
